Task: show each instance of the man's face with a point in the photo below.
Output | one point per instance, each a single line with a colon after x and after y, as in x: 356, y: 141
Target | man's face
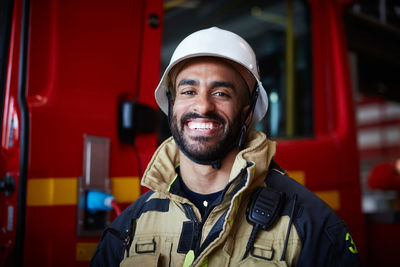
x: 208, y: 109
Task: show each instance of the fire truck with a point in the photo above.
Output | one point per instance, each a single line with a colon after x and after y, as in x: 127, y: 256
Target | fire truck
x: 78, y: 113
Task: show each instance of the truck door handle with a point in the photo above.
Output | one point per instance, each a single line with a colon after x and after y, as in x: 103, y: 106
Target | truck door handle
x: 7, y: 184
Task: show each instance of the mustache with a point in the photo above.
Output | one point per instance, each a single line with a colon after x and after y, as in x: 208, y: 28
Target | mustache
x: 210, y: 116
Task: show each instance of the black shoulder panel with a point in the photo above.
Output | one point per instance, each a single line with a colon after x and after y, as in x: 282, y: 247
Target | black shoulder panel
x: 325, y: 238
x: 110, y: 250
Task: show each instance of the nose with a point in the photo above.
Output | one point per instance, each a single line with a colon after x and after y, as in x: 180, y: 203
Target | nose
x: 203, y: 103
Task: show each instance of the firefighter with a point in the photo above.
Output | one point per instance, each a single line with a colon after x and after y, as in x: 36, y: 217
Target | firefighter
x: 216, y: 196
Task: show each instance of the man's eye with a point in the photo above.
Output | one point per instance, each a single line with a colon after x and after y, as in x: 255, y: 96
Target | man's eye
x: 221, y: 94
x: 187, y: 92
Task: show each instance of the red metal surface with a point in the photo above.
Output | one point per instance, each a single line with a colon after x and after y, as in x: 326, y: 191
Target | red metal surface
x: 383, y: 244
x: 84, y: 58
x: 87, y: 56
x: 330, y: 159
x: 9, y: 150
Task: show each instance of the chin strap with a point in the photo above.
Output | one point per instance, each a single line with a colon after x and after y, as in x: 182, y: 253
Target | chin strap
x: 169, y: 108
x: 216, y: 164
x: 242, y: 136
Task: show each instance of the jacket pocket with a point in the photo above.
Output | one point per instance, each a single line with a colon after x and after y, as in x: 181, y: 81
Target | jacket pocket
x: 143, y: 252
x: 261, y: 255
x: 251, y: 261
x: 141, y: 260
x: 150, y: 252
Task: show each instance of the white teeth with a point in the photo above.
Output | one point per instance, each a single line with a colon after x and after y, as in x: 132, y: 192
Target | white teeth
x: 200, y: 126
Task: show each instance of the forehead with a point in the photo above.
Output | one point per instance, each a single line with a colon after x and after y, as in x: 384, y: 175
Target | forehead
x: 211, y: 61
x: 209, y: 67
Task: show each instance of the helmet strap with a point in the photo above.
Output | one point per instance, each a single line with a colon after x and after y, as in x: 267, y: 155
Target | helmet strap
x: 169, y: 107
x: 242, y: 136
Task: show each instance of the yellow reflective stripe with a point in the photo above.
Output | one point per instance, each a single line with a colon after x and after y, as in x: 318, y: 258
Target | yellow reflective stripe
x: 352, y: 248
x: 205, y: 262
x: 237, y: 204
x: 239, y: 199
x: 85, y: 251
x: 299, y: 176
x: 51, y: 191
x: 64, y: 191
x: 189, y: 258
x: 169, y: 187
x: 331, y: 197
x: 125, y: 189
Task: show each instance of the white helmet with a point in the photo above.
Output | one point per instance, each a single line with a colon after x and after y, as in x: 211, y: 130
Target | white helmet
x: 216, y: 42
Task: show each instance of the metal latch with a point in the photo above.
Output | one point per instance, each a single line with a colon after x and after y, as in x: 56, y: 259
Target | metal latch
x: 7, y: 184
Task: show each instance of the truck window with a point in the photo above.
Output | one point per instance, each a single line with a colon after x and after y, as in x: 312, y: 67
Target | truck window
x: 279, y: 32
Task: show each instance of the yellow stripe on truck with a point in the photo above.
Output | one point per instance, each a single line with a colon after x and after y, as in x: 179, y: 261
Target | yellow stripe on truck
x: 125, y: 189
x: 331, y: 197
x: 64, y: 191
x: 299, y: 176
x: 51, y: 191
x: 85, y: 251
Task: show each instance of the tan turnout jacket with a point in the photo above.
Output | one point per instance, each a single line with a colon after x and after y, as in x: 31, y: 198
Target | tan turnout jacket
x: 157, y: 234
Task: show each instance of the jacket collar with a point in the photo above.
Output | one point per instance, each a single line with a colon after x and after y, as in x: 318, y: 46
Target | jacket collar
x: 255, y: 157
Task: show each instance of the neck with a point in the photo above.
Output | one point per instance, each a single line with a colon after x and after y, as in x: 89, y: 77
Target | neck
x: 204, y: 179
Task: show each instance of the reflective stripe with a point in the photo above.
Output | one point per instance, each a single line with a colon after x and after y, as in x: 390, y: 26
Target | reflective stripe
x: 299, y: 176
x: 52, y: 191
x: 169, y: 187
x: 64, y: 191
x: 189, y: 258
x: 237, y: 204
x: 85, y: 251
x: 125, y: 189
x: 205, y: 262
x: 331, y: 197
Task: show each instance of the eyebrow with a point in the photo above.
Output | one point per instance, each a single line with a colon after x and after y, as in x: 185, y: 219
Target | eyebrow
x: 188, y: 82
x: 213, y: 85
x: 223, y: 84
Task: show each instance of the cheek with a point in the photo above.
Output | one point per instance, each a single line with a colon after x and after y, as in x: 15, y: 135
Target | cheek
x: 178, y: 107
x: 233, y: 109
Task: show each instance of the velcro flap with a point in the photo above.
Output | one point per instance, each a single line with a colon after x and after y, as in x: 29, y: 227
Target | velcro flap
x: 264, y: 251
x: 186, y: 238
x: 145, y: 246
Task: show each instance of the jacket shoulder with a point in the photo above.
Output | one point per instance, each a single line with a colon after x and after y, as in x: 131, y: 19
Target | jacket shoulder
x: 110, y: 250
x: 326, y: 240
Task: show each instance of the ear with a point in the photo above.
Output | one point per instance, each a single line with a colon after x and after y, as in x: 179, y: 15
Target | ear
x: 245, y: 109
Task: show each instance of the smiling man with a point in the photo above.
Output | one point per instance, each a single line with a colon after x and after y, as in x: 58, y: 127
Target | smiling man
x: 216, y: 196
x: 209, y: 107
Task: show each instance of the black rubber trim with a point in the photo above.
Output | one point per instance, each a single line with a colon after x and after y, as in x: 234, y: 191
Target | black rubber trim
x: 24, y: 142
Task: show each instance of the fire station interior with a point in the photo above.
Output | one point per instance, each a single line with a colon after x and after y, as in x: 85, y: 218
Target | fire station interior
x: 281, y: 33
x: 373, y: 38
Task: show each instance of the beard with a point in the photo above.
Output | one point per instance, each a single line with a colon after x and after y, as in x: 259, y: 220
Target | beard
x: 201, y: 151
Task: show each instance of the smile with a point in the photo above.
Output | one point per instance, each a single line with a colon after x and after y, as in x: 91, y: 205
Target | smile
x: 200, y: 126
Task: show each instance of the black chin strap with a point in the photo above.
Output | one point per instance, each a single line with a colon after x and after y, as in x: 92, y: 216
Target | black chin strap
x: 242, y: 136
x: 216, y: 164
